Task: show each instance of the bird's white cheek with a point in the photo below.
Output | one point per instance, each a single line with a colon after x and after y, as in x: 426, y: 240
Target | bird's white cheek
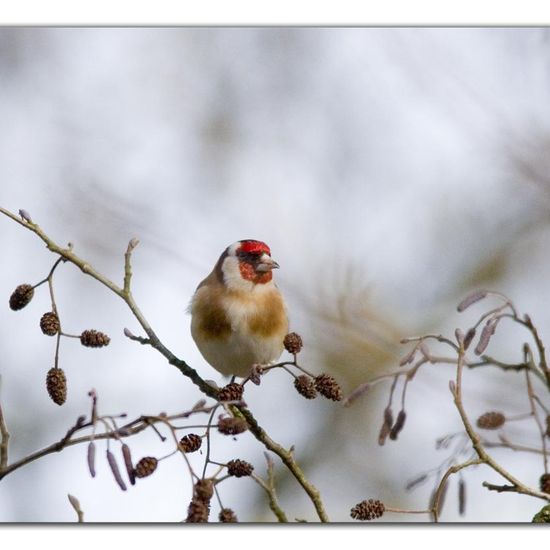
x: 232, y: 276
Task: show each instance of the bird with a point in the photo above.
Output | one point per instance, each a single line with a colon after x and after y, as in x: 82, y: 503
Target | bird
x: 238, y: 315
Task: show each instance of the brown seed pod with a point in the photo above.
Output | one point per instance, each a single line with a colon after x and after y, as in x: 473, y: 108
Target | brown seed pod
x: 56, y: 384
x: 231, y: 392
x: 491, y: 420
x: 255, y: 374
x: 305, y: 385
x: 327, y: 386
x: 146, y: 466
x: 190, y: 443
x: 230, y: 425
x: 21, y: 297
x: 293, y: 343
x: 94, y: 339
x: 239, y: 468
x: 544, y: 483
x: 203, y: 490
x: 49, y: 323
x: 198, y: 512
x: 367, y: 510
x: 227, y: 515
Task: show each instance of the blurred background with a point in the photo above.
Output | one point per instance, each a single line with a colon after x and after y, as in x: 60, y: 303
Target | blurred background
x: 391, y: 171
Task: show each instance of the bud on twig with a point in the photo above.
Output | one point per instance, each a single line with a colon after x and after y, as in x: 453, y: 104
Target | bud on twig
x: 76, y: 507
x: 452, y: 387
x: 25, y: 215
x: 255, y: 374
x: 132, y: 244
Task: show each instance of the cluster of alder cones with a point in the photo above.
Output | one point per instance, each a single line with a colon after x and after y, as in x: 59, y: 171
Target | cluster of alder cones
x: 56, y: 380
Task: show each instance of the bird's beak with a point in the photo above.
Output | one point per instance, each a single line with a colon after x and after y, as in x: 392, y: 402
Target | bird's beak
x: 266, y: 264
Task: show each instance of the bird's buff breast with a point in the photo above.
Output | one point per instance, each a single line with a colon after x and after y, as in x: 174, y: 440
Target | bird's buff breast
x: 233, y: 333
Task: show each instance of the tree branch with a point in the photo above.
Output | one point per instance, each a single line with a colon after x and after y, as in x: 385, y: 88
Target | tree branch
x: 125, y: 294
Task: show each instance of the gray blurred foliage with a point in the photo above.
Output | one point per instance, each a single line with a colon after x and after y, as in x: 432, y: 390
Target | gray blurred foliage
x: 390, y: 170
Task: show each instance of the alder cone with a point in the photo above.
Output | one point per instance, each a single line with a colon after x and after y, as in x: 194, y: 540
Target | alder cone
x: 94, y: 339
x: 56, y: 384
x: 21, y: 296
x: 146, y: 466
x: 49, y: 324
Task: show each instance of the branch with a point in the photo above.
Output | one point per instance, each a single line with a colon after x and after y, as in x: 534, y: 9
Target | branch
x: 4, y: 443
x: 441, y: 487
x: 125, y: 294
x: 269, y: 488
x: 476, y: 441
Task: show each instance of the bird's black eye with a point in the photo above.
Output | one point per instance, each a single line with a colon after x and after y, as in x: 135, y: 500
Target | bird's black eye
x: 249, y: 256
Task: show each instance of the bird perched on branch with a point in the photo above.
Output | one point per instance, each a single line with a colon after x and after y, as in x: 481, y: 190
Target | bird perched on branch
x: 238, y: 314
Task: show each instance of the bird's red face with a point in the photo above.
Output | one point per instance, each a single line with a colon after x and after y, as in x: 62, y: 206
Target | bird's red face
x: 255, y: 263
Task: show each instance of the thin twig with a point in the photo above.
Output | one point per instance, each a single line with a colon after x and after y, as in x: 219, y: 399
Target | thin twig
x: 530, y: 395
x: 269, y: 487
x: 441, y: 487
x: 476, y: 441
x: 4, y: 444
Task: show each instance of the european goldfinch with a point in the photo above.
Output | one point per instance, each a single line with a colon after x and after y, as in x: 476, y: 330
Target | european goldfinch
x: 238, y: 314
